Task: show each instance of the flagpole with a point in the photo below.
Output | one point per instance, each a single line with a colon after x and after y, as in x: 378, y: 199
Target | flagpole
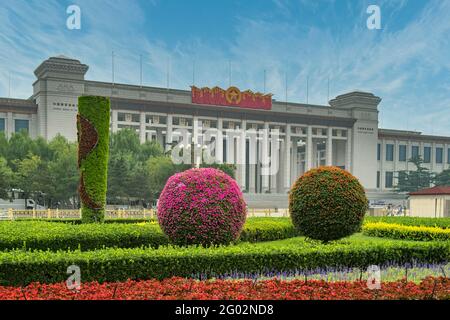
x: 286, y: 88
x: 9, y: 84
x: 328, y: 94
x: 112, y: 66
x: 229, y: 74
x: 264, y: 81
x: 140, y: 64
x: 168, y: 78
x: 307, y: 90
x: 193, y: 73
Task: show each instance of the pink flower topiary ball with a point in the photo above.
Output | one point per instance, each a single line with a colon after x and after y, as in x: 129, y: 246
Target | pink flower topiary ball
x: 201, y: 206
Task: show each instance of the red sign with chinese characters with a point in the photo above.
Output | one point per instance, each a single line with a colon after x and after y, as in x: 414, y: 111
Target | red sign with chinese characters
x: 231, y: 97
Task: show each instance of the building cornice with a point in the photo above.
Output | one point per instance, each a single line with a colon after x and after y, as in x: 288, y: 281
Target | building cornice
x: 229, y: 112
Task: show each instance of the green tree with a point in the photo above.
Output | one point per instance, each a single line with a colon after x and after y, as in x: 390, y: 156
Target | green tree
x: 159, y: 169
x: 32, y: 176
x: 20, y: 145
x: 64, y: 177
x: 3, y: 145
x: 410, y: 181
x: 443, y: 178
x: 6, y: 176
x: 125, y: 141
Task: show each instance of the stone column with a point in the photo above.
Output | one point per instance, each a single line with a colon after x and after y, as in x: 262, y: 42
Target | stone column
x: 396, y: 154
x: 287, y: 159
x: 142, y: 127
x: 382, y: 160
x: 252, y: 158
x: 294, y: 168
x: 195, y: 142
x: 274, y: 163
x: 9, y: 125
x: 258, y: 166
x: 114, y: 125
x: 329, y: 146
x: 408, y: 154
x: 242, y: 155
x: 219, y: 141
x: 169, y: 132
x: 309, y: 150
x: 348, y: 156
x: 265, y: 158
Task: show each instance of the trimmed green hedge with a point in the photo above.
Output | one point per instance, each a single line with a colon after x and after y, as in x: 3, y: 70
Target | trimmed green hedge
x: 42, y: 235
x: 412, y: 221
x: 397, y: 231
x: 20, y: 267
x: 78, y: 221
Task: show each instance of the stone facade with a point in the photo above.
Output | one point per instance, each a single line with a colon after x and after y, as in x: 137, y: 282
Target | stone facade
x: 344, y: 133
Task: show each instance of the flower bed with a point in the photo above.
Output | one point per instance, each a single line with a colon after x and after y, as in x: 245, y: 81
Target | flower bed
x: 443, y: 223
x: 397, y: 231
x: 188, y: 289
x: 20, y: 267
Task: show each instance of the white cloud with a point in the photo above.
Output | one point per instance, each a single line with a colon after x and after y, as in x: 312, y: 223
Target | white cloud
x: 406, y: 66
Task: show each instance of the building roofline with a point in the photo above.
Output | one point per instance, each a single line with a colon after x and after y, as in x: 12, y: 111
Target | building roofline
x: 438, y: 190
x: 18, y: 105
x: 417, y: 135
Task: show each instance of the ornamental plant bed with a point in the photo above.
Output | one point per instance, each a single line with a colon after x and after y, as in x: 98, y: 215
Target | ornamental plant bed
x: 42, y: 235
x: 443, y: 223
x: 188, y: 289
x: 397, y: 231
x: 19, y: 267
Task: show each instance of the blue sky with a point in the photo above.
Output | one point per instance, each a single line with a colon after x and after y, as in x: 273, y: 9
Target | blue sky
x: 407, y: 62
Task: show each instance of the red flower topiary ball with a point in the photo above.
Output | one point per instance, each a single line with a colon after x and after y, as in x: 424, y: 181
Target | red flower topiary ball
x: 201, y: 206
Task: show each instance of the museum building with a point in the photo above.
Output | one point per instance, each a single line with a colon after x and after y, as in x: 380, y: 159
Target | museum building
x: 344, y: 133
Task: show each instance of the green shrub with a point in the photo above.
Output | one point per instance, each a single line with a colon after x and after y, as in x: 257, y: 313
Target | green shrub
x: 267, y: 229
x: 397, y: 231
x: 327, y: 204
x: 78, y: 221
x: 45, y: 235
x: 53, y: 236
x: 412, y: 221
x: 20, y: 267
x: 93, y: 151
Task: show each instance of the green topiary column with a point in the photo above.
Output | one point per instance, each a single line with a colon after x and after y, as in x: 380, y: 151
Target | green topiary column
x: 93, y: 151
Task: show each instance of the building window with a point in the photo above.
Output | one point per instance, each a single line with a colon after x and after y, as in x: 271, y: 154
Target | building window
x: 439, y: 155
x: 2, y: 124
x: 427, y: 154
x: 379, y: 152
x: 378, y: 179
x: 121, y: 116
x: 389, y: 152
x: 415, y: 152
x: 402, y: 153
x: 21, y: 125
x: 389, y: 179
